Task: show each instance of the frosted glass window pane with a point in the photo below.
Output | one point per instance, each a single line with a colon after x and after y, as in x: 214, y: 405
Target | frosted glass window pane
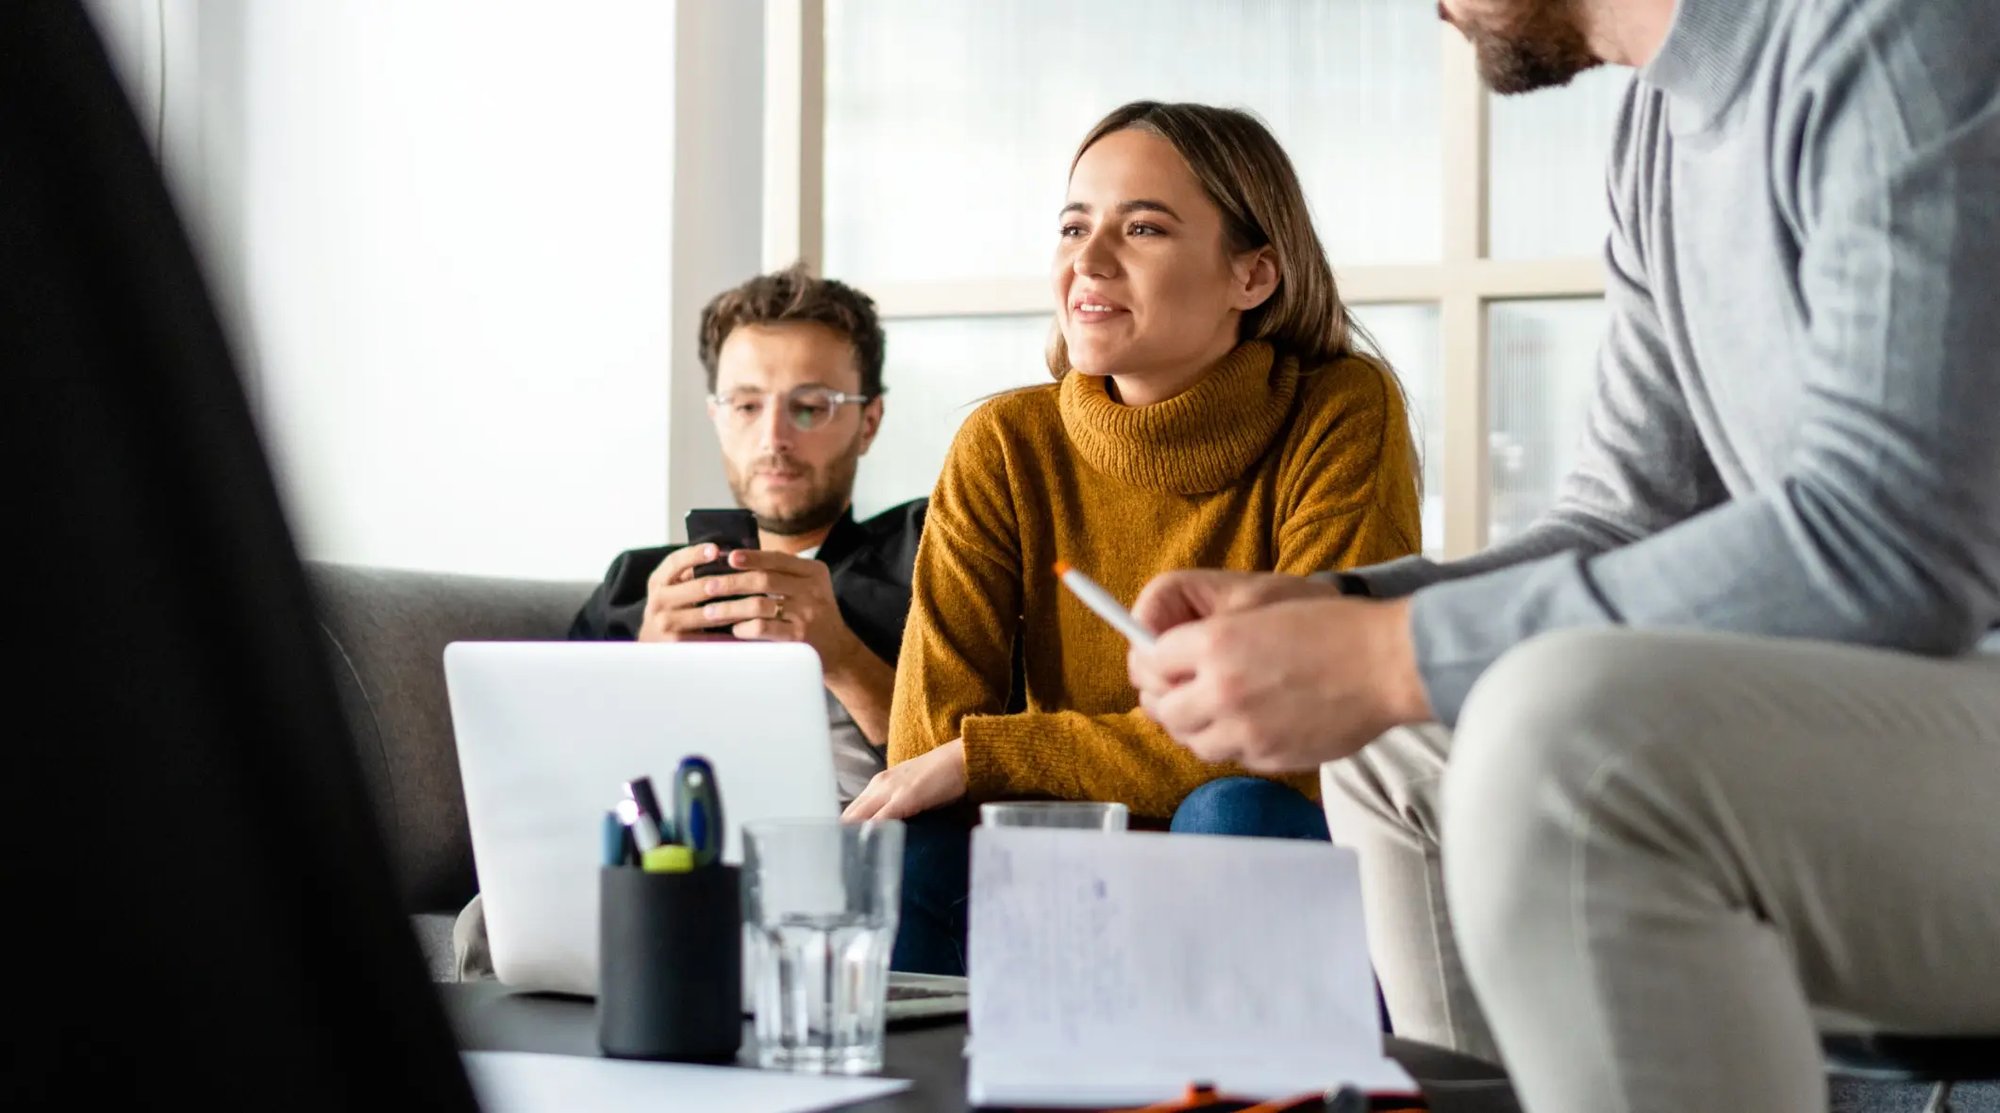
x: 1542, y: 358
x: 1548, y: 158
x: 950, y: 126
x: 1407, y: 336
x: 938, y: 371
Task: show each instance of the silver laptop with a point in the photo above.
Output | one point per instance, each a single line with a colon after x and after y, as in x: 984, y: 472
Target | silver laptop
x: 548, y: 732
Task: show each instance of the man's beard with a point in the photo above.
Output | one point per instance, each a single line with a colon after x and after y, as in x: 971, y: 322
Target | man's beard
x: 1542, y: 47
x: 827, y: 494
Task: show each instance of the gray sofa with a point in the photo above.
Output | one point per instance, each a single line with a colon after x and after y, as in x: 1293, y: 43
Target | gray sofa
x: 385, y: 633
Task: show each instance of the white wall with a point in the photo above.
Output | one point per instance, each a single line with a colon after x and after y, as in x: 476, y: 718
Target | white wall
x: 458, y: 244
x: 718, y: 216
x: 446, y: 234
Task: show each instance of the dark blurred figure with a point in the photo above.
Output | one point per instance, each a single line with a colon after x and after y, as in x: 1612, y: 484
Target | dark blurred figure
x: 200, y: 903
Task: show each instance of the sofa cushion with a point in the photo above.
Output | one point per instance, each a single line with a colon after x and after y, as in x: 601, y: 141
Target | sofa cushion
x: 386, y: 631
x: 433, y: 932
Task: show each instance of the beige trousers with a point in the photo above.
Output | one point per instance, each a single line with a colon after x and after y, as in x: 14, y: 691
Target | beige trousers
x: 1647, y: 869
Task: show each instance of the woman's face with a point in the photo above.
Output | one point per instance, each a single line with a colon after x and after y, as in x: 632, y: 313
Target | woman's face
x: 1148, y: 291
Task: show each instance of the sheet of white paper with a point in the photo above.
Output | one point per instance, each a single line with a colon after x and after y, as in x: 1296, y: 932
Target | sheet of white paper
x: 510, y: 1082
x: 1120, y: 967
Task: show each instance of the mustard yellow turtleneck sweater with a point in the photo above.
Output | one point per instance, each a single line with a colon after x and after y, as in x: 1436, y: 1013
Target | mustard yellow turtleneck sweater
x: 1257, y: 467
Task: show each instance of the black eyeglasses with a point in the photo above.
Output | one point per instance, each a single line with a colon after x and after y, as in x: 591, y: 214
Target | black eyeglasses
x: 809, y: 407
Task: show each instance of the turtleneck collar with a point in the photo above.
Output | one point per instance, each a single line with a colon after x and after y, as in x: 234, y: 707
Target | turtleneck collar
x: 1710, y: 51
x: 1200, y: 440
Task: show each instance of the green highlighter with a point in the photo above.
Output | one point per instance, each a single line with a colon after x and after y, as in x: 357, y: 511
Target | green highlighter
x: 669, y: 857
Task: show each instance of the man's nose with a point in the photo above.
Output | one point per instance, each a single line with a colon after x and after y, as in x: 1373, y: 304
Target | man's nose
x: 775, y: 430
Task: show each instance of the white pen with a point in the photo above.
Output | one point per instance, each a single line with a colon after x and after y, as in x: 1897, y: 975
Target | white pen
x: 1100, y: 601
x: 645, y: 833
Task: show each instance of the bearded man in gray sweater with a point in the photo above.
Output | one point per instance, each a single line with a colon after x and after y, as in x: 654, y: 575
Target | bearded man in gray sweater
x: 1707, y: 761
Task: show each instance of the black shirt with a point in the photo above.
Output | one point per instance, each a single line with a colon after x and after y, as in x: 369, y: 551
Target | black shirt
x: 870, y: 563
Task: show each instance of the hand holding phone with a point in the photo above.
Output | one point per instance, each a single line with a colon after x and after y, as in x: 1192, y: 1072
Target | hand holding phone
x: 728, y: 531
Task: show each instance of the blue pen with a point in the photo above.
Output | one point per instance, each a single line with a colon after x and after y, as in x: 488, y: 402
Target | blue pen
x: 616, y: 836
x: 698, y: 809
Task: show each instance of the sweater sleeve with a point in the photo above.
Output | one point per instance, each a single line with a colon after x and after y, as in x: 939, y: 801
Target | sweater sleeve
x: 617, y: 608
x: 965, y: 600
x: 1355, y: 501
x: 1883, y: 528
x: 1641, y: 465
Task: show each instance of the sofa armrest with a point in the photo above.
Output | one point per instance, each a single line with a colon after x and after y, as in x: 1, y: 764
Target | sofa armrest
x: 386, y: 630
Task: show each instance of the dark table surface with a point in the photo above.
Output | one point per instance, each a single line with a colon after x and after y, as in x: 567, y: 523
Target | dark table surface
x: 490, y: 1017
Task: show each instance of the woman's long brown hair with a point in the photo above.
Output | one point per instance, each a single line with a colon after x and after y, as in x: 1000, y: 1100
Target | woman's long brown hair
x: 1248, y: 176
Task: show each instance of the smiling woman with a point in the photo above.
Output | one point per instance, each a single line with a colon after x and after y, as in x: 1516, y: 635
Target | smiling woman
x: 1218, y: 180
x: 1211, y: 410
x: 1123, y: 255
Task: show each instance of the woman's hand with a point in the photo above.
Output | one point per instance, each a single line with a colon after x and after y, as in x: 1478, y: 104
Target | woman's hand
x: 917, y: 785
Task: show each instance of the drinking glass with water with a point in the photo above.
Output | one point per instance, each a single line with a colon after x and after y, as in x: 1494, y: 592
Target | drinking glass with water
x: 1074, y: 814
x: 819, y: 904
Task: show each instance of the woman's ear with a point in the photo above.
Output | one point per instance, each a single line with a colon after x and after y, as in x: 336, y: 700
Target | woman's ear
x: 1257, y: 277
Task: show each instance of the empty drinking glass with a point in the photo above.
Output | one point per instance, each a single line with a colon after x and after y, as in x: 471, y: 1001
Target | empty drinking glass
x: 1089, y: 815
x: 819, y: 911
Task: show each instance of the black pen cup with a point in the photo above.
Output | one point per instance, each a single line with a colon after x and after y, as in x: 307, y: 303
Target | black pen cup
x: 670, y: 964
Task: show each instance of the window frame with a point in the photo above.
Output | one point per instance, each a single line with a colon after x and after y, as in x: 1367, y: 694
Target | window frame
x: 1461, y: 284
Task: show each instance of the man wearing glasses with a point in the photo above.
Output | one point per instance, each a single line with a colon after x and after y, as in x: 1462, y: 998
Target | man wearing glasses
x: 794, y: 369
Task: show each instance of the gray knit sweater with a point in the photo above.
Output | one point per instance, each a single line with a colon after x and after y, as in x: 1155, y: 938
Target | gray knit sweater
x: 1796, y: 424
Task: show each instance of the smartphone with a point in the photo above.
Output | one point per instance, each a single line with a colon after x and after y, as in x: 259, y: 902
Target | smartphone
x: 727, y: 530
